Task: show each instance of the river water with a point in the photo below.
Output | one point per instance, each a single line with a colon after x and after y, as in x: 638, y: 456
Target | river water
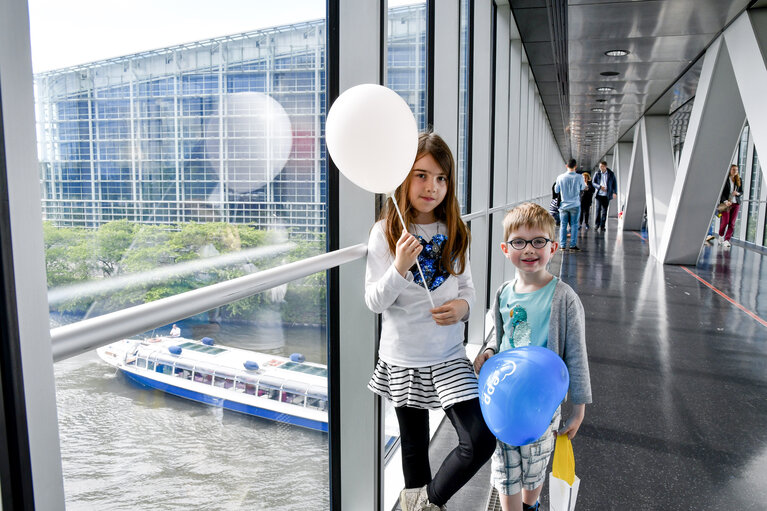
x: 127, y: 447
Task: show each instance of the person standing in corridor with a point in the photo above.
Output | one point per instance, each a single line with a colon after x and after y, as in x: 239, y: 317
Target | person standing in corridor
x: 607, y: 188
x: 569, y: 186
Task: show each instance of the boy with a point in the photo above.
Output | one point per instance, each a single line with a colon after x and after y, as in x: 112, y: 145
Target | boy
x: 552, y: 317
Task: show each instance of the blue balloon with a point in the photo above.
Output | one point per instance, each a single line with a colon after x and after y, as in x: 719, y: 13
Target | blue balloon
x: 519, y: 392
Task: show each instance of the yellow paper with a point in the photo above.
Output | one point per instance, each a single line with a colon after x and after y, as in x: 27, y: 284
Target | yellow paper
x: 563, y: 466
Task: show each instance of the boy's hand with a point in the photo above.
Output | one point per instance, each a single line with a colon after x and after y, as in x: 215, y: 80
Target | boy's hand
x: 450, y: 312
x: 481, y: 359
x: 574, y: 422
x: 408, y: 248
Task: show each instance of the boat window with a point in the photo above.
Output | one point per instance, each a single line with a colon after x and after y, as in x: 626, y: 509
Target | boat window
x: 293, y: 398
x: 141, y: 363
x: 225, y: 383
x: 150, y: 365
x: 317, y: 404
x: 268, y: 392
x: 162, y: 368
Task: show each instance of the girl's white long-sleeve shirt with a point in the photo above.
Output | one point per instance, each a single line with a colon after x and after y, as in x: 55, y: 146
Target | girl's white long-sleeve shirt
x: 409, y: 335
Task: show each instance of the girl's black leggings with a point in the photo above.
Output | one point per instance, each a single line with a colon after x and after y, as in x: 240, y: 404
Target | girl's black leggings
x: 475, y: 446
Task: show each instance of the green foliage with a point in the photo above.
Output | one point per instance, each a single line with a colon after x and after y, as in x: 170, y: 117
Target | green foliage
x: 122, y: 248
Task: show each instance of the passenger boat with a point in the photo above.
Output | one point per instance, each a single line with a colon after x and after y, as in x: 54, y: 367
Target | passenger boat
x: 282, y: 389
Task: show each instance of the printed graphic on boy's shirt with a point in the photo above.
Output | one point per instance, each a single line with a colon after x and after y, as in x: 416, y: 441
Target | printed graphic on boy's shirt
x: 430, y: 261
x: 520, y: 336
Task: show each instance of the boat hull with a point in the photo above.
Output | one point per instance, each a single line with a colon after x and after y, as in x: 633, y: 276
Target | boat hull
x: 226, y: 403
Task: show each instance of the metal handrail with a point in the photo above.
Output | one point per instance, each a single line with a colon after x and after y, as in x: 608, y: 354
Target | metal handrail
x: 70, y: 340
x: 88, y: 334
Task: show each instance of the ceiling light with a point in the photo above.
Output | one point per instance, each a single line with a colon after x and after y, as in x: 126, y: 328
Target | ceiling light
x: 605, y: 89
x: 617, y: 53
x: 597, y: 109
x: 609, y: 73
x: 594, y: 123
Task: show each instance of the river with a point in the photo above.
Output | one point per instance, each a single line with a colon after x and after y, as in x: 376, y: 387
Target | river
x: 126, y: 447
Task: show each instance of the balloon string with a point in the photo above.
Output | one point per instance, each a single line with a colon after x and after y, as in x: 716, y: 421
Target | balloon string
x: 399, y: 213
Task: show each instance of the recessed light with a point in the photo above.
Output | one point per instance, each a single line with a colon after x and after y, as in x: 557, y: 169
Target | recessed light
x: 609, y: 73
x: 597, y: 109
x: 617, y: 53
x: 605, y: 89
x: 594, y: 123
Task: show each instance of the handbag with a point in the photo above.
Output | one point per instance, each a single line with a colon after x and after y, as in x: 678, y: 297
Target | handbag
x: 722, y: 207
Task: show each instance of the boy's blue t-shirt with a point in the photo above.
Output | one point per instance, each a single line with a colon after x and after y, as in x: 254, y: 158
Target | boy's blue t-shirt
x: 529, y: 323
x: 569, y: 186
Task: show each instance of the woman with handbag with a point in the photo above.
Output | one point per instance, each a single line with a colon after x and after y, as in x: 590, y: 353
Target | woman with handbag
x: 729, y: 205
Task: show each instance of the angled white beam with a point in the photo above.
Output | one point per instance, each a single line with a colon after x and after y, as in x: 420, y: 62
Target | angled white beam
x: 659, y: 173
x: 635, y: 195
x: 715, y: 122
x: 746, y: 41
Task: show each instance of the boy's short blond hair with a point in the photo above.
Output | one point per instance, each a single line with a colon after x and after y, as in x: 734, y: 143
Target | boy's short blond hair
x: 529, y: 215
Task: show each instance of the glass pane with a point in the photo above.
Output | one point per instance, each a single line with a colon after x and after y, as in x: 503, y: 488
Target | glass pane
x: 753, y: 196
x: 742, y: 159
x: 232, y: 411
x: 406, y: 55
x: 174, y: 155
x: 406, y: 74
x: 464, y: 46
x: 168, y: 169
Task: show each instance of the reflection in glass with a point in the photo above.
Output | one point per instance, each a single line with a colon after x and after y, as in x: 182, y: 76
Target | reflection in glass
x: 406, y: 57
x: 124, y: 441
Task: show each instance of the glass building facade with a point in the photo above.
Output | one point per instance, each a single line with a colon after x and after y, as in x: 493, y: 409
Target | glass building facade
x: 228, y: 129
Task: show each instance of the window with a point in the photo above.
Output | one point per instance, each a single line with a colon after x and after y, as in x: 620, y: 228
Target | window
x: 170, y: 167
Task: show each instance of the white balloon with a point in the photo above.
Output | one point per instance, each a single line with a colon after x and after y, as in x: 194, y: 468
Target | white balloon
x: 254, y: 140
x: 372, y: 137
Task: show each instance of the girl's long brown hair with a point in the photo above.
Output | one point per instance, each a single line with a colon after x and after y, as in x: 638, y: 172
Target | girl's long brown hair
x: 448, y: 211
x: 737, y: 175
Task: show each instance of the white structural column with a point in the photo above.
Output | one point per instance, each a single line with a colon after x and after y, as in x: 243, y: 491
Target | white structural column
x: 515, y: 67
x: 359, y: 43
x: 747, y: 44
x: 715, y: 122
x: 659, y: 172
x: 635, y: 187
x: 25, y: 244
x: 480, y: 163
x: 501, y: 174
x: 622, y: 164
x: 446, y: 32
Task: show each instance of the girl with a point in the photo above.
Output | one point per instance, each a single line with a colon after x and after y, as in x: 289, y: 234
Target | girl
x: 730, y: 197
x: 587, y: 195
x: 422, y: 362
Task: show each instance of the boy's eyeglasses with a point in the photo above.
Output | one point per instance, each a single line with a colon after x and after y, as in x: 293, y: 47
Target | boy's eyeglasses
x: 520, y: 244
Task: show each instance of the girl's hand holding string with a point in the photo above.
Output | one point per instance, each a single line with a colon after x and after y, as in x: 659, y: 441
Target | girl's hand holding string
x: 408, y: 248
x: 450, y: 312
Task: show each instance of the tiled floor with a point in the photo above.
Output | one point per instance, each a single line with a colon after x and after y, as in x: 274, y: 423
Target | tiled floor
x: 679, y: 377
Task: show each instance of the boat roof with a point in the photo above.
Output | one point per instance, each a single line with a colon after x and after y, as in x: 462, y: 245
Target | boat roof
x: 220, y: 359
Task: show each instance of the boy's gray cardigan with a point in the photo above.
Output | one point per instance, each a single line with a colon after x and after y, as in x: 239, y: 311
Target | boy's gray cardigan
x: 567, y: 337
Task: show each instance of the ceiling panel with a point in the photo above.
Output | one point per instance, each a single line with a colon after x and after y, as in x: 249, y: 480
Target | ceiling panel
x: 664, y: 39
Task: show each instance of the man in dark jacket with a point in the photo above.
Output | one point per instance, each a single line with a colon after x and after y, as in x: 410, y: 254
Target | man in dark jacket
x: 606, y: 189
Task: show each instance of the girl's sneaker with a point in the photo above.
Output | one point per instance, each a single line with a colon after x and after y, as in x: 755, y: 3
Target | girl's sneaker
x: 534, y: 507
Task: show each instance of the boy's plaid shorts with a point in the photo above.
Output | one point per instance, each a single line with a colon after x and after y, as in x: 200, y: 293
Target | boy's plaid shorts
x: 514, y: 468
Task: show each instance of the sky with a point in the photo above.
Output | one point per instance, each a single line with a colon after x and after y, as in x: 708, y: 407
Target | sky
x: 71, y: 32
